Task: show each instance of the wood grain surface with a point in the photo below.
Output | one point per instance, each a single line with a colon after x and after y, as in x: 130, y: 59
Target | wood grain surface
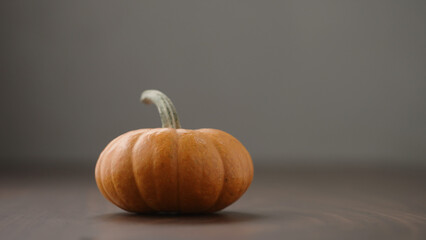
x: 282, y: 203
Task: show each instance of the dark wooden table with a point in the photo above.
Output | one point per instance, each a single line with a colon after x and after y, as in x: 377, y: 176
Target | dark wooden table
x: 282, y: 203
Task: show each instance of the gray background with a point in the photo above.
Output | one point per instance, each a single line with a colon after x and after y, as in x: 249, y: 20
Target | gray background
x: 296, y: 81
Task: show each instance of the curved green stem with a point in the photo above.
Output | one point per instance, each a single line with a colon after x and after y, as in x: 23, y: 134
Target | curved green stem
x: 167, y: 110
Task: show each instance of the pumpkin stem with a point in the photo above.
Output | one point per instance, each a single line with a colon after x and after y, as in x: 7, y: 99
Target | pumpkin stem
x: 167, y: 110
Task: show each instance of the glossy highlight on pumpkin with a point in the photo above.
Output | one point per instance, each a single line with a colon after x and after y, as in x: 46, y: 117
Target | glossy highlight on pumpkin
x: 174, y: 170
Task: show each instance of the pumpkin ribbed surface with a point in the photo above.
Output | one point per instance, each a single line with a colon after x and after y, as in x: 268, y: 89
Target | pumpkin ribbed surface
x: 174, y: 170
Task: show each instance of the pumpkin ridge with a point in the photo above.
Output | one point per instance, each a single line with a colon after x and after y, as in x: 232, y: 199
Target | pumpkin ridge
x: 203, y: 163
x: 134, y: 174
x: 224, y: 175
x: 153, y: 178
x: 177, y: 171
x: 114, y: 187
x: 100, y: 183
x: 133, y: 168
x: 112, y: 145
x: 101, y: 175
x: 211, y: 141
x: 243, y: 165
x: 250, y: 173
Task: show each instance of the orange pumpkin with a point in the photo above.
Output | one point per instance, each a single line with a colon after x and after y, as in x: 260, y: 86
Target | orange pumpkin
x: 170, y: 169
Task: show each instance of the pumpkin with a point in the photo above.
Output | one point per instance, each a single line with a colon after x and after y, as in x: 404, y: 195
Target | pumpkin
x: 171, y: 169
